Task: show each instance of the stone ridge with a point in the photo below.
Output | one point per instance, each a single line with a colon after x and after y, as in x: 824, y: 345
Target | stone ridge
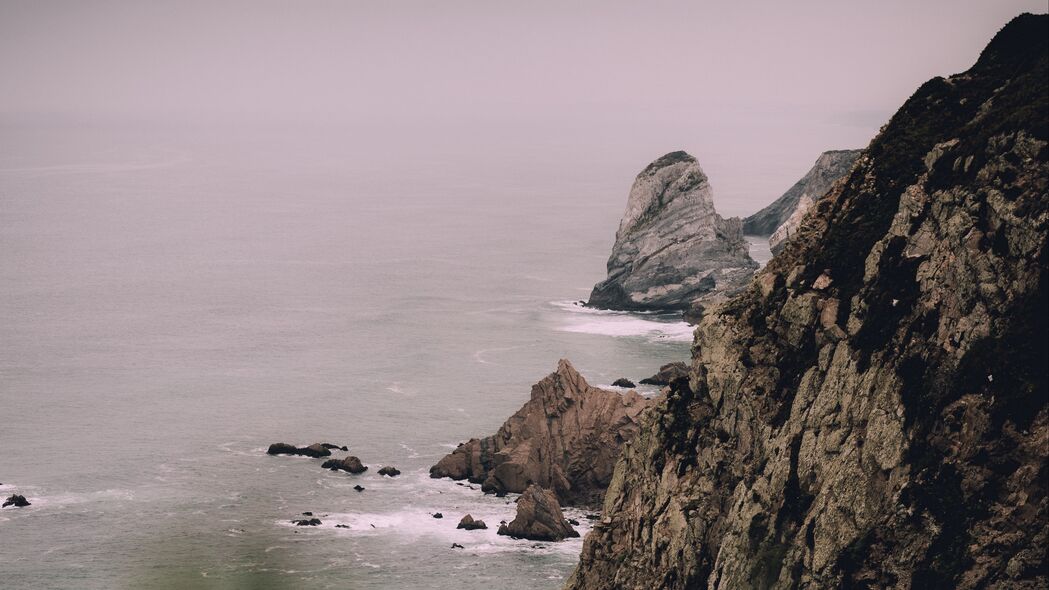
x: 672, y: 248
x: 872, y: 411
x: 566, y: 438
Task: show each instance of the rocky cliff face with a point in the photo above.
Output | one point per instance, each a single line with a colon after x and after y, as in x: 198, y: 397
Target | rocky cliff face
x: 567, y: 439
x: 871, y: 412
x: 672, y: 247
x: 829, y: 167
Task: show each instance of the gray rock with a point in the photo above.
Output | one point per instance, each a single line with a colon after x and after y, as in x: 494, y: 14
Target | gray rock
x: 350, y: 464
x: 672, y: 248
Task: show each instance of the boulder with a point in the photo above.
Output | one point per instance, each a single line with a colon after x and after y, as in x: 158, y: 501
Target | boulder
x: 315, y: 450
x: 334, y: 447
x: 438, y: 515
x: 624, y: 382
x: 307, y: 522
x: 539, y: 518
x: 672, y: 247
x: 667, y: 374
x: 470, y: 524
x: 17, y: 501
x: 390, y: 471
x: 566, y: 438
x: 349, y: 464
x: 358, y: 488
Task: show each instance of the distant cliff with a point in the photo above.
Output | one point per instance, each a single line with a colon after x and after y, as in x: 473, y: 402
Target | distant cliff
x: 672, y: 248
x: 872, y: 411
x: 781, y: 218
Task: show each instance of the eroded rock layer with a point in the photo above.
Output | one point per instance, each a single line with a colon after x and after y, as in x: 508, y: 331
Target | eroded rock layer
x: 871, y: 412
x: 567, y: 439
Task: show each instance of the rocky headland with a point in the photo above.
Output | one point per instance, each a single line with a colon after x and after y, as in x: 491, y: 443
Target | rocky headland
x: 566, y: 438
x: 871, y: 412
x: 672, y: 248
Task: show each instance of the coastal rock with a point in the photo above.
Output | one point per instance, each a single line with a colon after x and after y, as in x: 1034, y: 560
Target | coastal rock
x: 667, y: 374
x: 17, y: 501
x: 672, y: 248
x: 566, y: 438
x: 316, y: 450
x: 781, y: 219
x: 358, y: 488
x: 349, y: 464
x: 307, y: 522
x: 539, y: 518
x: 470, y: 524
x: 438, y: 515
x: 900, y: 439
x: 334, y: 447
x: 624, y: 382
x: 390, y: 471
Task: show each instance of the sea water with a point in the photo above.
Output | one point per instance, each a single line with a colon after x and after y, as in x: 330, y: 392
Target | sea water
x: 171, y: 304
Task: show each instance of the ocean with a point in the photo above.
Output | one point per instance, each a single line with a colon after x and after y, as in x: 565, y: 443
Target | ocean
x: 172, y: 302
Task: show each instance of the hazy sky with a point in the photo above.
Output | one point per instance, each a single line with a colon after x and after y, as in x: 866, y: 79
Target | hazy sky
x: 777, y: 80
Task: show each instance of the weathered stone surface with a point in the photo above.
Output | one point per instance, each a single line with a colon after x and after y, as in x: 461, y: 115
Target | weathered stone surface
x: 539, y: 518
x: 470, y: 524
x: 315, y: 450
x: 566, y: 438
x: 624, y: 382
x: 17, y: 501
x: 349, y: 464
x: 889, y: 429
x: 781, y: 219
x: 667, y: 374
x: 672, y: 247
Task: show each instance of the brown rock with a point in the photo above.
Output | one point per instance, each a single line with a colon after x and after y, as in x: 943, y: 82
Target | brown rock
x: 350, y: 464
x: 470, y: 524
x: 539, y: 518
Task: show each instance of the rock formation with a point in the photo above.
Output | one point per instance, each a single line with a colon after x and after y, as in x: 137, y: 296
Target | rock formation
x: 390, y: 471
x: 349, y: 464
x: 17, y: 501
x: 470, y: 524
x: 566, y: 438
x: 624, y: 382
x: 539, y: 518
x: 667, y: 374
x: 872, y: 411
x: 672, y: 247
x: 781, y: 219
x: 315, y: 450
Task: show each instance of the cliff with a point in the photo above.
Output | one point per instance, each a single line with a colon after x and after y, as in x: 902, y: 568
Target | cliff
x: 672, y: 248
x: 871, y: 411
x: 567, y: 439
x: 829, y: 167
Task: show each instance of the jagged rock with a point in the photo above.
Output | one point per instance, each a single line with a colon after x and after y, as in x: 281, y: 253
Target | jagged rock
x: 307, y: 522
x: 334, y: 447
x: 667, y: 374
x: 16, y: 500
x: 900, y: 440
x: 470, y: 524
x: 566, y: 438
x: 672, y: 247
x: 782, y: 218
x: 315, y: 450
x: 624, y: 382
x: 539, y: 518
x: 390, y: 471
x: 349, y: 464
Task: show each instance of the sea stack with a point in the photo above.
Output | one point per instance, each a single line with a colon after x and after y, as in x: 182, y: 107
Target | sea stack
x: 672, y: 248
x: 781, y: 219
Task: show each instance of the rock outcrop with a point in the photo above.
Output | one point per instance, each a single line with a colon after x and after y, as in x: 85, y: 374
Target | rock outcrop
x: 468, y: 523
x: 781, y: 219
x: 566, y: 439
x: 390, y: 471
x: 672, y: 248
x: 350, y: 464
x: 316, y: 450
x: 17, y: 501
x: 539, y: 518
x: 872, y: 411
x: 668, y: 374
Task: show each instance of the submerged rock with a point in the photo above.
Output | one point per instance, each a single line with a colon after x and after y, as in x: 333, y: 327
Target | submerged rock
x: 349, y: 464
x: 17, y: 501
x: 334, y: 447
x: 438, y: 515
x: 566, y: 438
x: 358, y: 488
x: 886, y: 426
x: 624, y: 382
x: 539, y: 518
x: 667, y: 374
x: 470, y: 524
x: 315, y: 450
x: 672, y: 247
x: 307, y: 522
x: 390, y: 471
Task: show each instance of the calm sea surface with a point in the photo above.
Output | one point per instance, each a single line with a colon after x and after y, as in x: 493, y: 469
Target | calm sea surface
x: 171, y: 304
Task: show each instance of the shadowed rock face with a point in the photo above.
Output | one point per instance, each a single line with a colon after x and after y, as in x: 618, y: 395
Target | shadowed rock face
x: 539, y: 518
x: 872, y: 411
x: 828, y: 169
x: 672, y: 247
x: 566, y: 438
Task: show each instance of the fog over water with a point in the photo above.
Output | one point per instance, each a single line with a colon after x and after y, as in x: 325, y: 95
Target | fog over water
x: 223, y: 226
